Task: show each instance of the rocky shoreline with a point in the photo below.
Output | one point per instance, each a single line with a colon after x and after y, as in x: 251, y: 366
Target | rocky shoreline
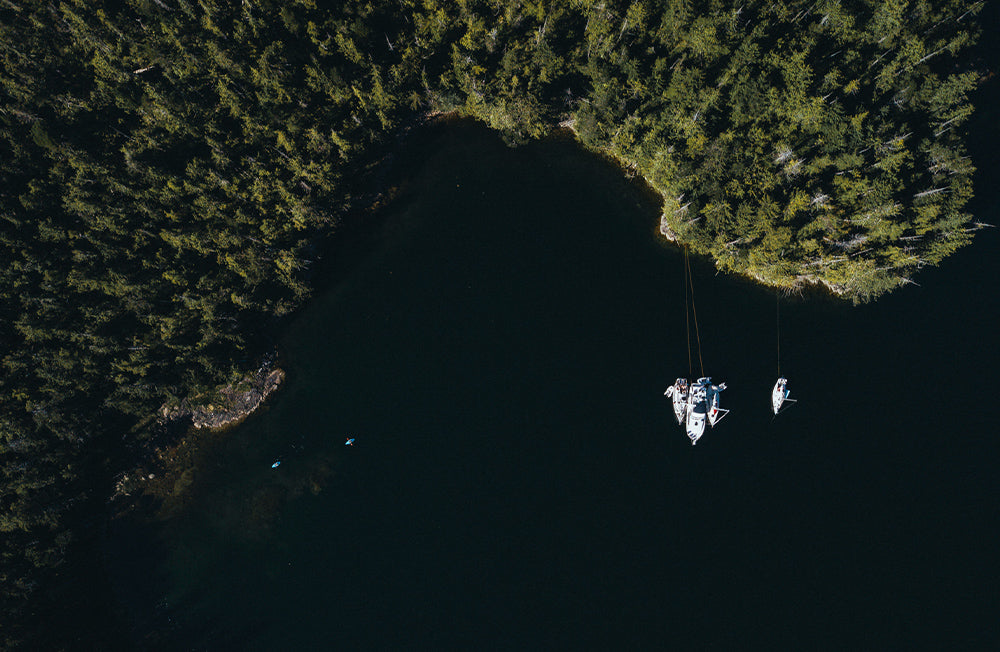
x: 169, y: 468
x: 236, y: 403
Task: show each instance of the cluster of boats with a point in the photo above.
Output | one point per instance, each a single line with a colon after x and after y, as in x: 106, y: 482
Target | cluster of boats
x: 696, y: 404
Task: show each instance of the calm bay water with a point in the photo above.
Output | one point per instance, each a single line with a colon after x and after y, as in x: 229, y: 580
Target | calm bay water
x: 499, y: 352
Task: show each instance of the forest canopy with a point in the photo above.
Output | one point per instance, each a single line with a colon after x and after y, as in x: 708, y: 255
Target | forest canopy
x: 170, y: 168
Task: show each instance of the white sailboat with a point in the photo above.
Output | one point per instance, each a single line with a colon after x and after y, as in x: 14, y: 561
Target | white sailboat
x: 697, y: 411
x: 715, y: 413
x: 779, y: 395
x: 679, y: 394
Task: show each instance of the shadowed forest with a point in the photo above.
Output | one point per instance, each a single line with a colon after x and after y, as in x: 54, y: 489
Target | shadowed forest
x: 171, y: 170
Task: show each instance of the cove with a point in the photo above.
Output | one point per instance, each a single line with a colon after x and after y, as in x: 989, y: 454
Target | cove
x: 499, y: 351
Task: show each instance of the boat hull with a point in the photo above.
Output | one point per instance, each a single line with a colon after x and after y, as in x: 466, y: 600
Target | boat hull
x: 696, y: 424
x: 697, y: 413
x: 778, y: 395
x: 715, y: 412
x: 678, y: 393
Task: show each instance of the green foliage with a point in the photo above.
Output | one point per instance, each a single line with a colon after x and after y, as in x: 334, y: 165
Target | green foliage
x: 845, y: 114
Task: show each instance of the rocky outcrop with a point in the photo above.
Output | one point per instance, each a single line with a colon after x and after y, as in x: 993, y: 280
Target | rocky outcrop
x: 171, y: 461
x: 235, y: 402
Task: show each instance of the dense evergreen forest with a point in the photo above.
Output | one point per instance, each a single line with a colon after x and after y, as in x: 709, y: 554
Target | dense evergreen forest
x: 170, y: 168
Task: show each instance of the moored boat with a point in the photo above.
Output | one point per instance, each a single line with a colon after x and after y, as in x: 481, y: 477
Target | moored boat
x: 697, y: 411
x: 678, y: 392
x: 715, y: 413
x: 779, y: 395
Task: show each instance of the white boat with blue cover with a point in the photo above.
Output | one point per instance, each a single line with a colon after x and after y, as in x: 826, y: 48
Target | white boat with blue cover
x: 779, y: 395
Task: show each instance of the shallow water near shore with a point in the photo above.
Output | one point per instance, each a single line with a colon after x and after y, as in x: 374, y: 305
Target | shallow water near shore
x: 500, y: 353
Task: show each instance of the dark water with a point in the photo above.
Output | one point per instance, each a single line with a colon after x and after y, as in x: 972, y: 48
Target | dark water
x: 518, y: 482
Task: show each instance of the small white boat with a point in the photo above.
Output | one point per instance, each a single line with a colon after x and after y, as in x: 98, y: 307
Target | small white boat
x: 779, y: 395
x: 678, y: 392
x: 715, y: 413
x: 697, y: 410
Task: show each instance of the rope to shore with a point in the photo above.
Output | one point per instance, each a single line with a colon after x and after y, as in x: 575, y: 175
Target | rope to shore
x: 694, y: 311
x: 687, y: 312
x: 777, y: 319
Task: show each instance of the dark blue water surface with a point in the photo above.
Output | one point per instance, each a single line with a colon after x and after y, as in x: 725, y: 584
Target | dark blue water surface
x: 500, y: 352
